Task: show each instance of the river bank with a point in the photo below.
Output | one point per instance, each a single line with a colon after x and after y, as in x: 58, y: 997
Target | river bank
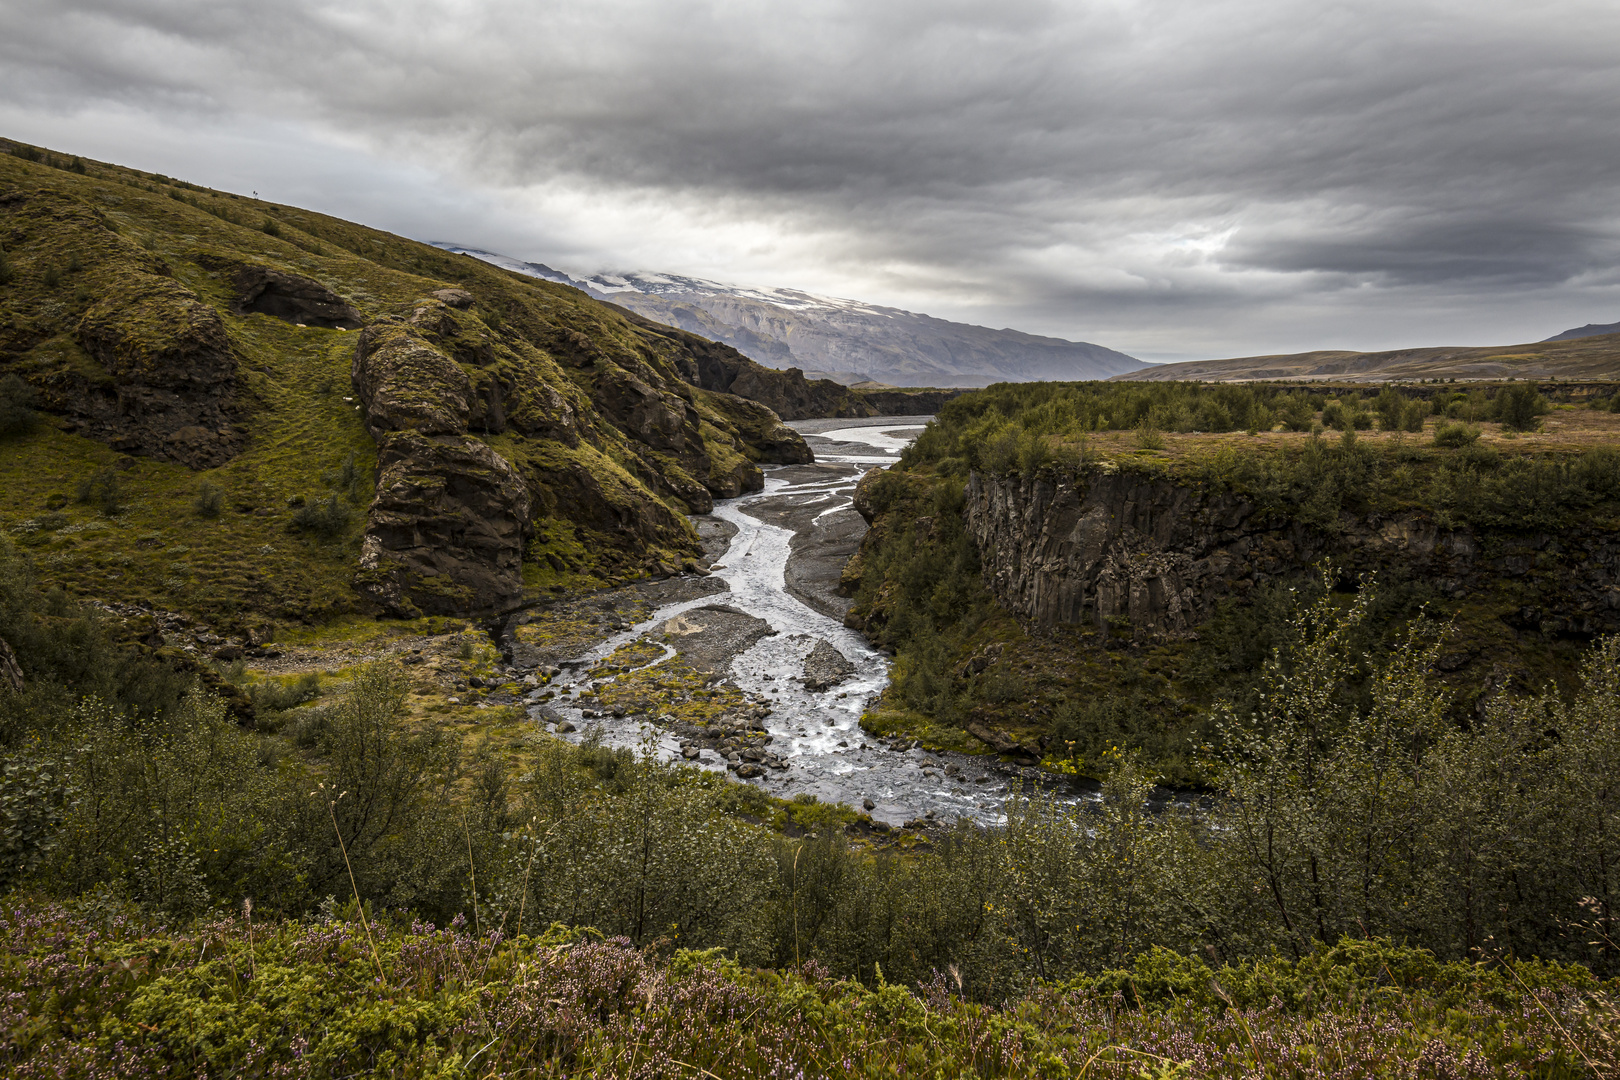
x: 747, y: 666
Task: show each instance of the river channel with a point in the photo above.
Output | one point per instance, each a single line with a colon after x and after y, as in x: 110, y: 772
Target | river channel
x: 786, y: 545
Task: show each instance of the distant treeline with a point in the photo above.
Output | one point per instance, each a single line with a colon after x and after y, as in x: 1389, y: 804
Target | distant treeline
x: 973, y: 429
x: 1025, y: 427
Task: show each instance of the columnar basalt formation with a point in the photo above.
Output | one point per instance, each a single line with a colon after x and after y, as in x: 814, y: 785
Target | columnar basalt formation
x: 1150, y: 557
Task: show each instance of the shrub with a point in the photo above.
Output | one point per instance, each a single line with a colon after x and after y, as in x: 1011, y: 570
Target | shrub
x: 1148, y: 436
x: 1390, y: 405
x: 326, y: 518
x: 270, y: 227
x: 209, y: 500
x: 1454, y: 435
x: 348, y: 479
x: 16, y: 407
x: 1413, y: 415
x: 1294, y: 411
x: 1346, y: 414
x: 1516, y: 407
x: 33, y: 802
x: 280, y: 696
x: 103, y: 489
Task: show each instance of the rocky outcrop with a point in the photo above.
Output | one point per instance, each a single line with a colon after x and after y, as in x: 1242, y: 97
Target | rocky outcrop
x: 723, y: 369
x: 1150, y: 558
x: 292, y: 298
x: 773, y: 442
x: 826, y: 667
x: 172, y: 373
x: 118, y: 348
x: 405, y: 384
x: 908, y: 402
x: 446, y: 530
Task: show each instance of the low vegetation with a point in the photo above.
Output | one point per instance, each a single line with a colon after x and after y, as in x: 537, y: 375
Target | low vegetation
x: 333, y: 997
x: 177, y: 903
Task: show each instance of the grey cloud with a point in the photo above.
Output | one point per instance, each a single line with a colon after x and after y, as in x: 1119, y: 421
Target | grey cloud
x: 1160, y: 167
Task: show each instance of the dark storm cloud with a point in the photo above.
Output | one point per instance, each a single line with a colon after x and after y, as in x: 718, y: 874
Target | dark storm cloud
x: 1194, y: 165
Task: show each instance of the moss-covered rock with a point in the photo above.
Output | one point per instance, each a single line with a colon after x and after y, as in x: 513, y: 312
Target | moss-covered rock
x: 405, y: 384
x: 446, y: 531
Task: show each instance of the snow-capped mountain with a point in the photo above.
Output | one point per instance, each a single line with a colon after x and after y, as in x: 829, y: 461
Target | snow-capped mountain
x: 828, y: 337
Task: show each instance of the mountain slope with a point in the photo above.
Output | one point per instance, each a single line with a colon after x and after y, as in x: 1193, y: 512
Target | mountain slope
x: 1589, y: 330
x: 253, y: 411
x: 785, y: 328
x: 1583, y: 358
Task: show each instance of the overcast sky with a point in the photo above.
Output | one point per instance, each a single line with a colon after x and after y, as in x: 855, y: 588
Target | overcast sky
x: 1174, y: 179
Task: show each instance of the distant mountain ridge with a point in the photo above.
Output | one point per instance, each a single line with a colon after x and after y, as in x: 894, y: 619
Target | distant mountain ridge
x: 1589, y: 330
x: 847, y: 340
x: 1584, y: 357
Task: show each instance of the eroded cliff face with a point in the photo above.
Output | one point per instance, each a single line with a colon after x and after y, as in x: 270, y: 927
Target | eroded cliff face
x: 447, y: 530
x: 1150, y: 558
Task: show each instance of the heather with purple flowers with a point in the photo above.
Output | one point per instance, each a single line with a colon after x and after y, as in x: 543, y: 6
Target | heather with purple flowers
x: 85, y: 995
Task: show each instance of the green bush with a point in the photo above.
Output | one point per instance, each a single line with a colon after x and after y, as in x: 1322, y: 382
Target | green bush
x: 33, y: 803
x: 1413, y: 414
x: 1346, y: 414
x: 103, y: 489
x: 273, y: 697
x: 1517, y: 406
x: 326, y: 518
x: 209, y: 501
x: 348, y: 479
x: 1454, y: 435
x: 1390, y: 406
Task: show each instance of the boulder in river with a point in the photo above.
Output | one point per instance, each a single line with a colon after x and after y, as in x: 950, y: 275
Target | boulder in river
x: 826, y: 667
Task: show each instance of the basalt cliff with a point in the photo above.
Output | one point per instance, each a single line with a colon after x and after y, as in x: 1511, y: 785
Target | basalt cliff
x: 1152, y: 559
x: 1075, y: 609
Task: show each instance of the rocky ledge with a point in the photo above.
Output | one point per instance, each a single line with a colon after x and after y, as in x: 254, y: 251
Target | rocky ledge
x: 1149, y: 558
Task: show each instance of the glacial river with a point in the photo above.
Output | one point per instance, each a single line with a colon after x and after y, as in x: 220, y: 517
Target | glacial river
x: 817, y: 733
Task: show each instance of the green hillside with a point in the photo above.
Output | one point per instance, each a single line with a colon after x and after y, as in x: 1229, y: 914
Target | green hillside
x: 206, y: 441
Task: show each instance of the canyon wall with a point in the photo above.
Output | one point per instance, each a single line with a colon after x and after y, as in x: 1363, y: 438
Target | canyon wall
x: 1151, y: 558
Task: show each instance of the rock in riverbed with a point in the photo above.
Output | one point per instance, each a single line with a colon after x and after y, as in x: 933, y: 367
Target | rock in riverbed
x: 826, y: 667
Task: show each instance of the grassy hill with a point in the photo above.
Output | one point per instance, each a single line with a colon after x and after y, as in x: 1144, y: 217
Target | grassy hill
x: 1582, y: 358
x: 234, y: 400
